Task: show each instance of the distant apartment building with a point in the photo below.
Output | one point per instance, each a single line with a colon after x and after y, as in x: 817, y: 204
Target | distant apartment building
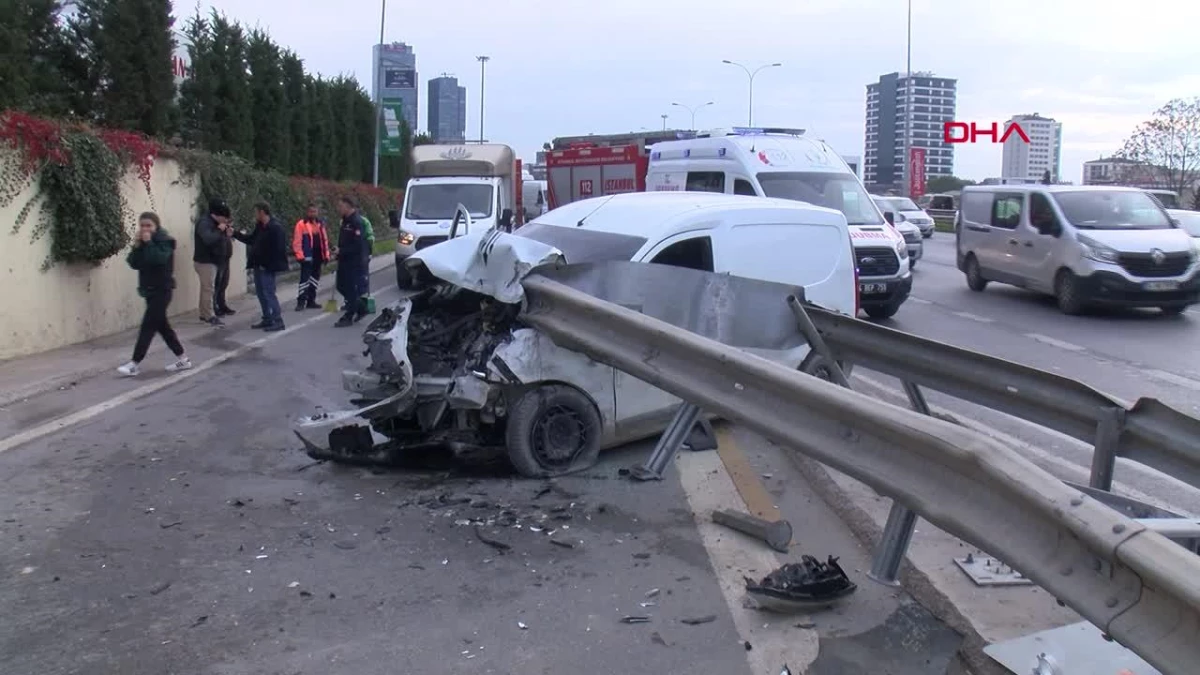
x: 855, y: 164
x: 920, y: 104
x: 447, y: 110
x: 1120, y: 171
x: 1042, y: 153
x: 395, y: 77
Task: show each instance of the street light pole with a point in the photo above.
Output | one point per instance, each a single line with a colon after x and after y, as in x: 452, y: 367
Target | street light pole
x: 482, y: 81
x: 379, y: 90
x: 908, y: 110
x: 693, y: 112
x: 750, y: 74
x: 664, y: 116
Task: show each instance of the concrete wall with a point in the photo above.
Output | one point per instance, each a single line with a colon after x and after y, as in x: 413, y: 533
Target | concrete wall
x: 67, y: 304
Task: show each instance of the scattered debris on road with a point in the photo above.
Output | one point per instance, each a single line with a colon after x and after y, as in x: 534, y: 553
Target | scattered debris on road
x: 635, y: 619
x: 657, y: 639
x: 777, y: 534
x: 522, y: 626
x: 652, y: 593
x: 699, y: 620
x: 498, y: 545
x: 799, y: 586
x: 160, y: 588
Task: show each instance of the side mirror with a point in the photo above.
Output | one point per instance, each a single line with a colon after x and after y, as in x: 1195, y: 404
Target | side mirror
x: 394, y: 219
x: 1049, y: 228
x: 889, y: 217
x: 506, y: 220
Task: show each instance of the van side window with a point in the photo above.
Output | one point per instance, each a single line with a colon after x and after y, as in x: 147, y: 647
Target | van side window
x: 1006, y: 211
x: 706, y: 181
x: 695, y: 253
x: 743, y: 187
x: 1041, y: 213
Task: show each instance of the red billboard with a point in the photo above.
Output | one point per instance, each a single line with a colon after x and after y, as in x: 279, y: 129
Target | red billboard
x: 916, y: 172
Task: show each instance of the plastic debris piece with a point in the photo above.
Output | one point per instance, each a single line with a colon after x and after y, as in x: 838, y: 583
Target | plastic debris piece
x: 801, y: 585
x: 635, y: 619
x: 696, y: 621
x: 652, y: 593
x: 648, y: 604
x: 498, y: 545
x: 294, y: 584
x: 522, y: 626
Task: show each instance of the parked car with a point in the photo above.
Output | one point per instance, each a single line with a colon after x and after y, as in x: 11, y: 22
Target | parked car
x: 452, y: 367
x: 906, y: 212
x: 912, y: 234
x: 1189, y: 221
x: 1083, y: 245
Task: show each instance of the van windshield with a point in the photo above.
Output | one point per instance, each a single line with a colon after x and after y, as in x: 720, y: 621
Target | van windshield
x: 840, y: 191
x: 437, y: 201
x: 1112, y: 210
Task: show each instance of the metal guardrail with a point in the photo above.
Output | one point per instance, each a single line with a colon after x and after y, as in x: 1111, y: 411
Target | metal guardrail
x: 1148, y: 432
x: 1132, y: 583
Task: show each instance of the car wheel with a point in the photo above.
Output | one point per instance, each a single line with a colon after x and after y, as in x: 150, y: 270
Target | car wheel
x: 1066, y: 292
x: 1172, y: 310
x: 975, y: 280
x: 404, y: 277
x: 553, y: 430
x: 882, y: 311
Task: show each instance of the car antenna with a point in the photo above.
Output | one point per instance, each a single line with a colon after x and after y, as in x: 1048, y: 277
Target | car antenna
x: 589, y: 215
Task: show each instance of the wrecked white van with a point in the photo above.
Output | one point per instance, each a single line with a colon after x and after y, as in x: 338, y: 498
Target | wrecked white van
x: 452, y: 367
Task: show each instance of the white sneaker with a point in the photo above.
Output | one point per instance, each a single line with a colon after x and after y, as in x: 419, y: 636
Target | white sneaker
x: 183, y: 363
x: 129, y: 369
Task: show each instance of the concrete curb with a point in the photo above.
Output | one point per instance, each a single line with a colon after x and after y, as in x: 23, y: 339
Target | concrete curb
x: 65, y: 381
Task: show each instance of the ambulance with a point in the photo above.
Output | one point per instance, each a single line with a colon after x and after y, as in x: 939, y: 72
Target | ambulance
x: 787, y: 164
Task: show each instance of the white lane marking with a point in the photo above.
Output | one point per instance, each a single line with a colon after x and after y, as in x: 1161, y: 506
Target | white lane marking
x: 1178, y: 380
x: 145, y: 390
x: 708, y: 487
x: 973, y: 317
x: 1081, y: 473
x: 1053, y: 342
x: 919, y: 301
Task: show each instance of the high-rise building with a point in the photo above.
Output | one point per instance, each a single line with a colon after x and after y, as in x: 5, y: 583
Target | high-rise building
x: 1042, y: 153
x: 395, y: 78
x: 447, y: 108
x: 920, y: 103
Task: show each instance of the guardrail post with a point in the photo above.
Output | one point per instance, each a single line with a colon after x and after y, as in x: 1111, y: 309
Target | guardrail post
x: 816, y: 343
x: 1108, y: 441
x: 901, y: 522
x: 673, y: 438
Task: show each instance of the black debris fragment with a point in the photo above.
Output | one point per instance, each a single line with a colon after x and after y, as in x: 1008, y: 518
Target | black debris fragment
x: 160, y: 588
x: 699, y: 620
x: 310, y: 465
x: 562, y: 544
x: 635, y: 619
x: 498, y: 545
x: 658, y: 639
x: 805, y: 583
x: 345, y: 545
x: 748, y: 645
x: 199, y: 621
x: 167, y: 526
x: 642, y: 556
x: 306, y: 594
x: 544, y: 491
x: 237, y: 503
x: 415, y: 567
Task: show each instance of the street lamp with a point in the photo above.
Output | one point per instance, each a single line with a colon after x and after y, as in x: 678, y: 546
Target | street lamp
x: 379, y: 90
x: 908, y: 111
x: 664, y: 116
x: 482, y: 75
x: 693, y: 111
x: 750, y: 74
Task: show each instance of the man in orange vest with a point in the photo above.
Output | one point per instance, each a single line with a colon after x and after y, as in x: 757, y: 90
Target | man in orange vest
x: 310, y: 244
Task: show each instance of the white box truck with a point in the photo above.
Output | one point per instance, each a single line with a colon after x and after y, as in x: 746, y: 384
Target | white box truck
x: 485, y: 179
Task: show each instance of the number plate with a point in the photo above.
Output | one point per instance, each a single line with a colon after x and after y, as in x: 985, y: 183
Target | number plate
x: 867, y: 289
x: 1160, y: 285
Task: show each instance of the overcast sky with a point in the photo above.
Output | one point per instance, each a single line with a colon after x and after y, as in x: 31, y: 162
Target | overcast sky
x: 570, y: 67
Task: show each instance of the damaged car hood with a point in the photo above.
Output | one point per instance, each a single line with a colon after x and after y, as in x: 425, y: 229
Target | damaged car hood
x: 492, y: 263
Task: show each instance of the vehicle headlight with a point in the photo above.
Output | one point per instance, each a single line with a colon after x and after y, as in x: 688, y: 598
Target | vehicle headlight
x: 902, y: 249
x: 405, y: 238
x: 1097, y: 251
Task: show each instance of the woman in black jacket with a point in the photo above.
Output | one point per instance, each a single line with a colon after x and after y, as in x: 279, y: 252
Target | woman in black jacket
x: 153, y: 256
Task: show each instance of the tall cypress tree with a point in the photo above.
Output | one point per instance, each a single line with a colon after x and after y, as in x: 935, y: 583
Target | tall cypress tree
x: 134, y: 45
x: 233, y: 103
x: 31, y: 44
x: 296, y: 93
x: 268, y: 109
x: 198, y: 93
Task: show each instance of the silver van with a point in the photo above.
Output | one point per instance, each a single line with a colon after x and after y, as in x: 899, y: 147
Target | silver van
x: 1086, y: 246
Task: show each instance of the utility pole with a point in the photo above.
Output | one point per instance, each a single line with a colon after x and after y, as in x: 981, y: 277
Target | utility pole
x: 750, y: 74
x: 908, y: 111
x: 378, y: 65
x: 482, y: 81
x: 664, y: 116
x: 692, y: 111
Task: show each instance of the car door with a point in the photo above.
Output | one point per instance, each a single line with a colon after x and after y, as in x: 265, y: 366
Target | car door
x: 1001, y: 245
x: 1037, y: 234
x: 643, y: 409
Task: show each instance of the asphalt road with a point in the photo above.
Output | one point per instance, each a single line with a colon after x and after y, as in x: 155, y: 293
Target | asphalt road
x: 1128, y: 354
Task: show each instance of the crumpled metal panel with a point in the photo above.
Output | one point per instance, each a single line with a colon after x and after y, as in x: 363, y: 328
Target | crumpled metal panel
x: 491, y: 262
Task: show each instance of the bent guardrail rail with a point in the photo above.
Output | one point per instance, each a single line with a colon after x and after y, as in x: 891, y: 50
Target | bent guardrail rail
x: 1148, y: 432
x: 1135, y: 585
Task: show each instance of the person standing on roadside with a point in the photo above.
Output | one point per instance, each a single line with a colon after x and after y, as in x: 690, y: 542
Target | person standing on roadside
x: 209, y: 238
x: 310, y: 245
x: 221, y: 284
x: 351, y: 259
x: 153, y: 256
x: 266, y: 256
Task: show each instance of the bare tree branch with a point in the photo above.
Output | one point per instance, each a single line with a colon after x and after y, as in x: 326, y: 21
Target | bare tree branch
x: 1168, y: 147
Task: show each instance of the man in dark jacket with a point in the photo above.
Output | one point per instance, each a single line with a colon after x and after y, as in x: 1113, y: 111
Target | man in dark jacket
x: 352, y: 262
x: 266, y: 256
x: 153, y: 256
x: 209, y: 239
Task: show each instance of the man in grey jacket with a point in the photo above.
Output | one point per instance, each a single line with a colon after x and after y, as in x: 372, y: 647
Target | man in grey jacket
x: 209, y: 240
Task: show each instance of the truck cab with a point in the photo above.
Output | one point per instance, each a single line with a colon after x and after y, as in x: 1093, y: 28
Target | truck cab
x: 787, y: 164
x: 484, y: 179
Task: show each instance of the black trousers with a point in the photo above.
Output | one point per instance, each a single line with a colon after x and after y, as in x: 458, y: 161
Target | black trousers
x: 154, y: 320
x: 310, y: 283
x: 350, y: 286
x: 220, y: 285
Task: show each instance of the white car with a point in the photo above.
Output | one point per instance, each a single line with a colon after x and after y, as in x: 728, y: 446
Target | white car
x: 906, y: 212
x: 452, y: 367
x: 911, y: 233
x: 1189, y: 221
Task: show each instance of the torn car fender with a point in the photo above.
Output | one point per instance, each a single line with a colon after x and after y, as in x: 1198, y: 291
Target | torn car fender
x: 314, y: 430
x: 531, y: 357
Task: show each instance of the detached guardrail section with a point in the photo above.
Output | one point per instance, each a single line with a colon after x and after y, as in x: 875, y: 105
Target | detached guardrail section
x: 1135, y: 585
